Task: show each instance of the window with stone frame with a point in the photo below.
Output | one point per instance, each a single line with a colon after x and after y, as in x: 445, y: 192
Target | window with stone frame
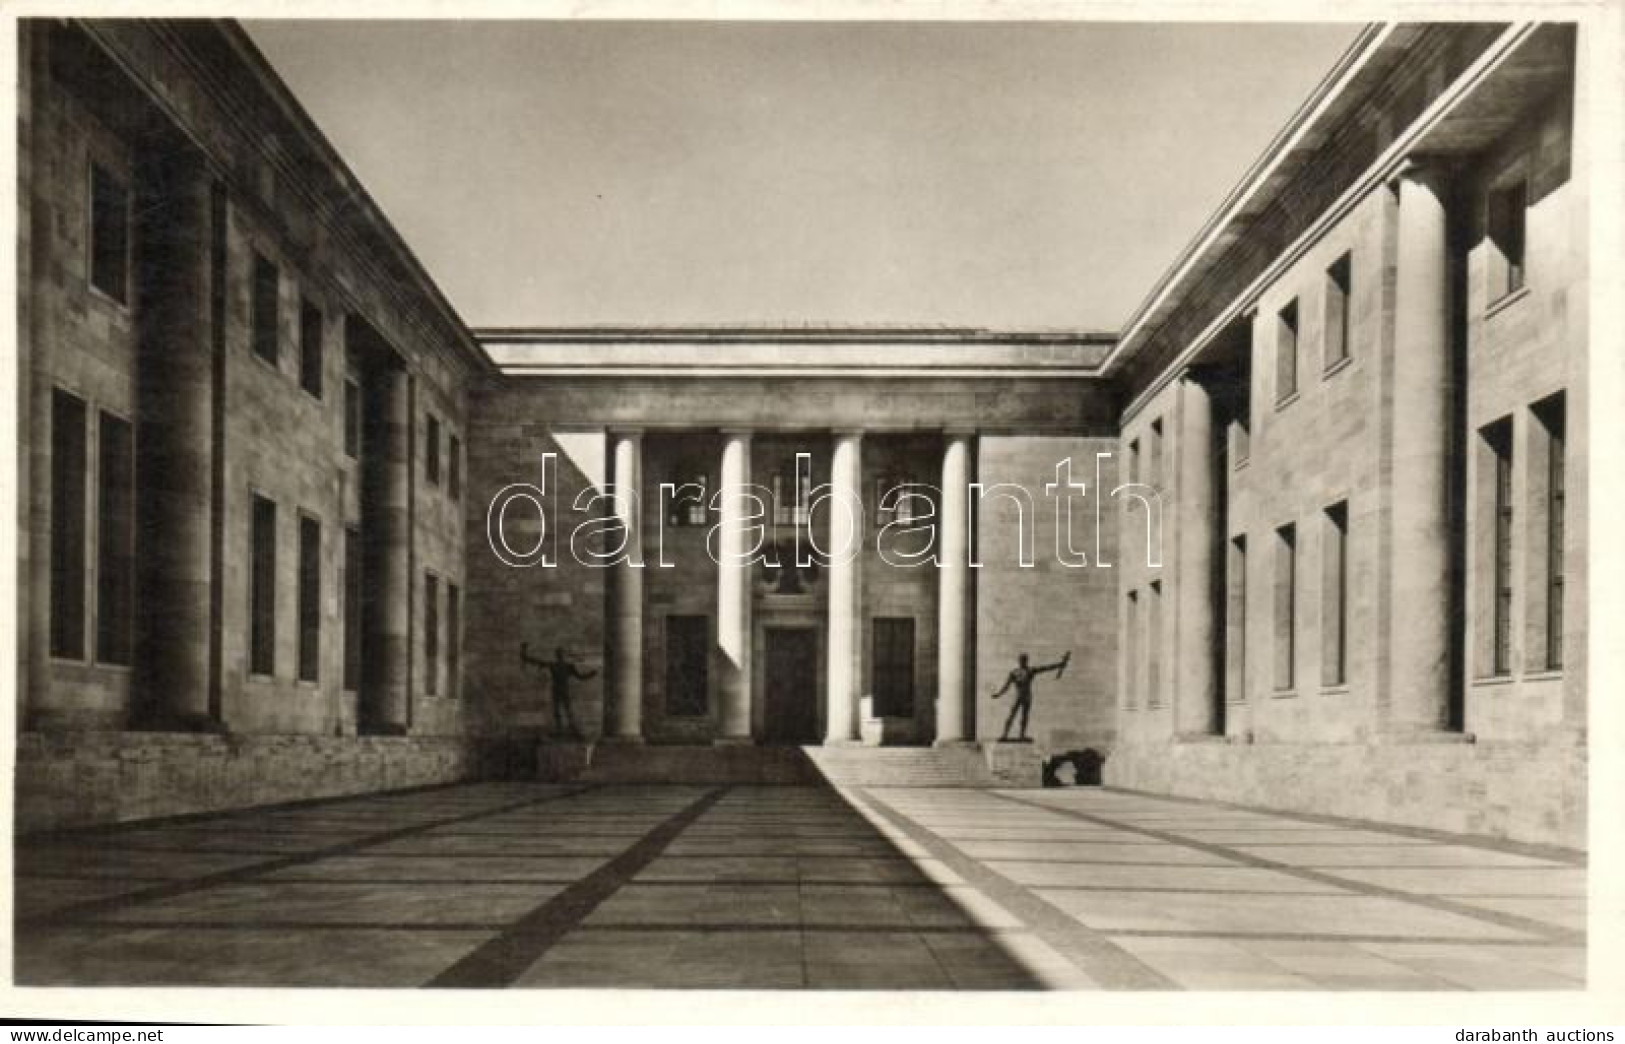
x: 1131, y: 651
x: 1496, y: 475
x: 310, y: 598
x: 1153, y: 644
x: 899, y: 498
x: 1154, y: 455
x: 1336, y: 326
x: 1286, y: 352
x: 310, y: 348
x: 263, y: 308
x: 1334, y: 593
x: 454, y: 640
x: 1546, y: 497
x: 262, y: 587
x: 70, y: 475
x: 431, y: 634
x: 688, y: 644
x: 352, y: 608
x: 792, y: 497
x: 431, y: 450
x: 892, y: 666
x: 352, y: 418
x: 115, y: 540
x: 1506, y: 214
x: 110, y: 223
x: 1286, y: 607
x: 1235, y: 630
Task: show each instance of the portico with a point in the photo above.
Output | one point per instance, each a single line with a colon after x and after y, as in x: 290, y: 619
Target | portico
x: 795, y: 545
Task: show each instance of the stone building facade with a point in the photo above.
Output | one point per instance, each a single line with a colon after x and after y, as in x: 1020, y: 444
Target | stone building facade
x: 1312, y: 524
x: 229, y: 364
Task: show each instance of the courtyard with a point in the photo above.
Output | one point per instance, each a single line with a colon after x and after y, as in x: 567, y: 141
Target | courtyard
x: 775, y: 888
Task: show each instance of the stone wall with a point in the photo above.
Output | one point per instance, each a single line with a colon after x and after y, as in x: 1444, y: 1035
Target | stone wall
x: 1523, y: 348
x: 94, y: 778
x: 1532, y: 792
x: 1047, y: 608
x: 219, y: 174
x: 542, y: 606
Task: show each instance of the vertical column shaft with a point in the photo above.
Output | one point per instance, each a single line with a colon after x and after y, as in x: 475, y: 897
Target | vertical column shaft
x: 386, y: 529
x: 1195, y: 691
x: 176, y: 393
x: 733, y: 591
x: 1419, y: 642
x: 953, y: 588
x: 845, y: 621
x: 627, y: 592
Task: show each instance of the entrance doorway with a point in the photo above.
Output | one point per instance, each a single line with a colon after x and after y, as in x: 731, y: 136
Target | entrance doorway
x: 791, y: 686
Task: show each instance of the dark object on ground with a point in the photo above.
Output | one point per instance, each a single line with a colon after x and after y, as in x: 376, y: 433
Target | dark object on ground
x: 1078, y: 768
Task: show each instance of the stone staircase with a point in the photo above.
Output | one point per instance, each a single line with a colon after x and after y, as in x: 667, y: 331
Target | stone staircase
x: 968, y: 766
x: 902, y: 766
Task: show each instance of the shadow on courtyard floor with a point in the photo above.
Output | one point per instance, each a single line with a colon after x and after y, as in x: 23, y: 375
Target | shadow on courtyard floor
x: 791, y: 887
x: 485, y: 885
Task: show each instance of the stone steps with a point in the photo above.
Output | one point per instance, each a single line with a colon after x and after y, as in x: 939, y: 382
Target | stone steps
x: 969, y: 766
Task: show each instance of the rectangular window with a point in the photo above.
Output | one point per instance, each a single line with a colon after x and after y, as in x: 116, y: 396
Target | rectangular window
x: 115, y: 542
x: 1337, y: 311
x: 1334, y: 608
x: 1554, y: 421
x: 688, y: 641
x: 1241, y: 439
x: 1153, y: 645
x: 352, y: 609
x: 1235, y: 629
x: 1286, y: 568
x: 1508, y: 206
x: 686, y: 506
x: 792, y: 498
x: 310, y: 598
x: 431, y: 633
x: 352, y: 419
x: 431, y: 450
x: 262, y: 589
x: 109, y: 234
x: 1286, y: 353
x: 893, y: 666
x: 263, y: 308
x: 1134, y: 460
x: 1153, y: 471
x: 1498, y: 439
x: 454, y: 467
x: 1131, y: 652
x: 70, y: 465
x: 310, y: 349
x: 454, y: 640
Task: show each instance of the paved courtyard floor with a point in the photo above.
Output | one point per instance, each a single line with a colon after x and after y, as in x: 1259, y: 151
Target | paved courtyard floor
x: 533, y: 885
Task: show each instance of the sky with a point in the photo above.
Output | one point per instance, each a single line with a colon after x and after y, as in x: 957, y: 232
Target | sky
x: 1005, y: 175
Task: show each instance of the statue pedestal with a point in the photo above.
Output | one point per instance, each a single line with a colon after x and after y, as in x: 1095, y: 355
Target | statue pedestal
x: 1015, y: 764
x: 562, y: 760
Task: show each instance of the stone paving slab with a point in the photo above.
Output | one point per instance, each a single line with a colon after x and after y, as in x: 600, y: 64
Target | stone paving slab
x: 763, y: 887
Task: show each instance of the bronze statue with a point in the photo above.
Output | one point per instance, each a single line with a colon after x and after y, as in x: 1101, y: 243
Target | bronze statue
x: 1022, y: 678
x: 562, y: 669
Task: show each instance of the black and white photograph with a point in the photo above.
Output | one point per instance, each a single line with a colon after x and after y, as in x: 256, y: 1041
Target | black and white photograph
x: 853, y: 502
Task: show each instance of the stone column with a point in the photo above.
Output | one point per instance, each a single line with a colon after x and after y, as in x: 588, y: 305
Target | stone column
x: 626, y: 593
x: 386, y: 527
x: 733, y: 592
x: 845, y: 627
x: 175, y: 388
x: 953, y: 588
x: 1419, y: 570
x: 1195, y: 680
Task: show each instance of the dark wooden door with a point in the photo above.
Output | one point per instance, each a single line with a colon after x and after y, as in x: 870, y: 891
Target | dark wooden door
x: 791, y: 680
